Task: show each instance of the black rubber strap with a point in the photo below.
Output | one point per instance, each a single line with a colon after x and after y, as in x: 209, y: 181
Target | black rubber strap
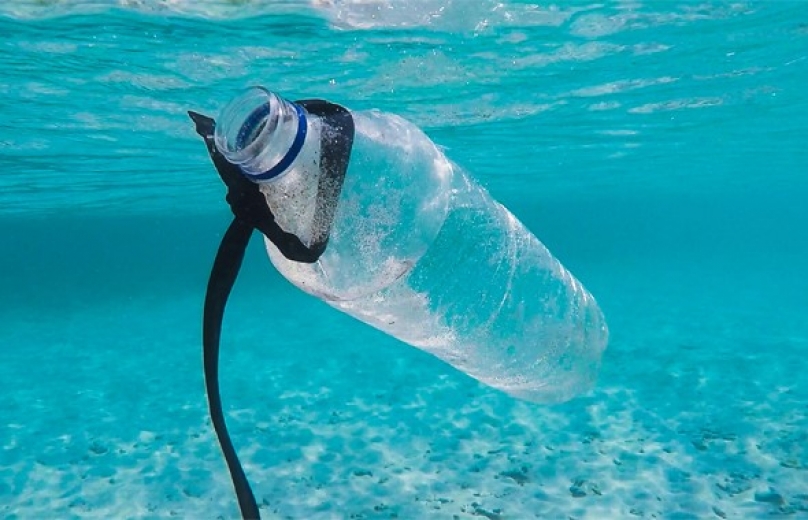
x: 336, y: 140
x: 247, y: 202
x: 222, y: 277
x: 252, y: 212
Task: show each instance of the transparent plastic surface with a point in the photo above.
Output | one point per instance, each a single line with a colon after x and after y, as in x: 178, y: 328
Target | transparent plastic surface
x: 489, y: 299
x: 420, y: 251
x: 393, y: 202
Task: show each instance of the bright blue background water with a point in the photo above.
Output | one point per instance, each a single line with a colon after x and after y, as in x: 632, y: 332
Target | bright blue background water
x: 657, y: 148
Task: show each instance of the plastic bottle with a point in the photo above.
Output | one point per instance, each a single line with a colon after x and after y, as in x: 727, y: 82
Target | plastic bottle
x: 420, y: 251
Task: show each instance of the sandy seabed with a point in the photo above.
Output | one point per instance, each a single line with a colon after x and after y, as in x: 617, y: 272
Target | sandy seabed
x: 103, y: 416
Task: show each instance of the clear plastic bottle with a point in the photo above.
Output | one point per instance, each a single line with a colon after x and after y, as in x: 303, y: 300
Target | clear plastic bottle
x: 420, y: 251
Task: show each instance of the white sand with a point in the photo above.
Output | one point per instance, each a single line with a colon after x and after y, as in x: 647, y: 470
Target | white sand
x: 103, y: 416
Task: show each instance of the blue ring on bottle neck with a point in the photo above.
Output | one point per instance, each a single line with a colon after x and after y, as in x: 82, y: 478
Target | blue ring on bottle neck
x: 297, y: 144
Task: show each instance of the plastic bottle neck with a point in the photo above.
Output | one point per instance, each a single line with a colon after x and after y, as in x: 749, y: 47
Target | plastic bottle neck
x: 261, y: 132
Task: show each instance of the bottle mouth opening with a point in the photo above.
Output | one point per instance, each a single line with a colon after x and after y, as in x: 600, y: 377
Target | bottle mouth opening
x: 260, y: 132
x: 243, y: 121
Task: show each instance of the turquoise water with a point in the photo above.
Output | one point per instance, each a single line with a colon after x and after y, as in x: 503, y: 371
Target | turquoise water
x: 657, y: 148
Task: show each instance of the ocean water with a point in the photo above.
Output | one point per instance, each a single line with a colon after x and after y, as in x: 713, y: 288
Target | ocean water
x: 659, y: 149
